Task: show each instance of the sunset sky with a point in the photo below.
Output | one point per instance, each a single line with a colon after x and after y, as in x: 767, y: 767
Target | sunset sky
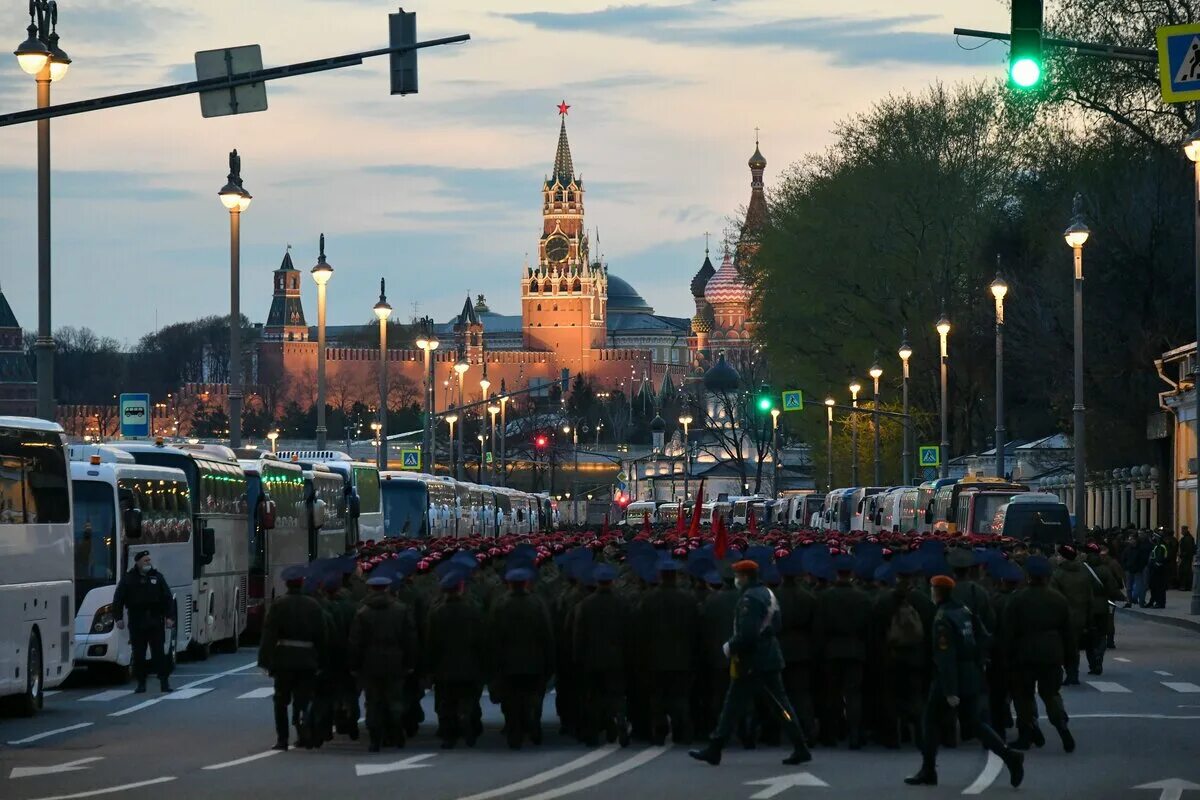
x: 438, y: 192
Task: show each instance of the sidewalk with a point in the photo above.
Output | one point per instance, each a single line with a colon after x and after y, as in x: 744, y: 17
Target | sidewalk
x: 1177, y: 612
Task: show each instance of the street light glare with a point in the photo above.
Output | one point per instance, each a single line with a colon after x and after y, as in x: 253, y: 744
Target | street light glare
x: 943, y: 326
x: 382, y: 310
x: 32, y: 55
x: 829, y: 402
x: 999, y: 288
x: 321, y: 273
x: 1076, y: 235
x: 876, y: 371
x: 905, y: 351
x: 855, y: 387
x: 1191, y: 146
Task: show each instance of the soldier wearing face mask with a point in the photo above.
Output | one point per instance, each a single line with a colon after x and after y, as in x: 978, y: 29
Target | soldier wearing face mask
x: 143, y: 592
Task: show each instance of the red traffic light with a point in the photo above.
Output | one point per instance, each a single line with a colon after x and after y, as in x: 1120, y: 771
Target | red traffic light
x: 540, y: 442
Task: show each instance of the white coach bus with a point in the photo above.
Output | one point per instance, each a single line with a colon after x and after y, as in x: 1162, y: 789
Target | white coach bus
x: 37, y: 605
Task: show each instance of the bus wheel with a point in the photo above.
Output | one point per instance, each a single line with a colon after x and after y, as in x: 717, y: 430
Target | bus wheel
x: 31, y: 701
x: 198, y: 651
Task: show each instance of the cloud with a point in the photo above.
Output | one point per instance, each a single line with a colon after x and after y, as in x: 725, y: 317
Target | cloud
x: 853, y: 42
x: 89, y: 185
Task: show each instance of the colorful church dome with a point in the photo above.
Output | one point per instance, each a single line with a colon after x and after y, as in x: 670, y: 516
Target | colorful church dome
x: 726, y: 286
x: 703, y: 276
x: 703, y: 321
x: 722, y: 377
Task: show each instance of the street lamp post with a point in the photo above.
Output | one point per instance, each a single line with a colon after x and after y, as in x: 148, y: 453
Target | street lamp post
x: 235, y: 198
x: 382, y: 312
x: 479, y: 470
x: 452, y: 418
x: 1192, y: 149
x: 493, y: 409
x: 876, y: 372
x: 999, y: 290
x: 855, y: 388
x: 503, y: 434
x: 943, y: 329
x: 1076, y: 235
x: 905, y: 354
x: 686, y: 421
x: 40, y: 56
x: 461, y: 367
x: 427, y: 342
x: 274, y: 437
x: 321, y: 274
x: 775, y: 453
x: 829, y: 403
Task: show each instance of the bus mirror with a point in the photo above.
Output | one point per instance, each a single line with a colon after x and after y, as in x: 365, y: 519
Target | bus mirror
x: 318, y: 513
x: 929, y: 514
x: 208, y: 545
x: 133, y: 523
x: 355, y: 506
x: 267, y: 515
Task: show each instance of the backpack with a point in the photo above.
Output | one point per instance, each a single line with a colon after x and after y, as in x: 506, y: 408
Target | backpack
x: 906, y: 629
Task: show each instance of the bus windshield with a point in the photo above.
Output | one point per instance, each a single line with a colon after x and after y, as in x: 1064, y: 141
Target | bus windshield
x: 95, y: 535
x: 405, y: 508
x: 986, y: 506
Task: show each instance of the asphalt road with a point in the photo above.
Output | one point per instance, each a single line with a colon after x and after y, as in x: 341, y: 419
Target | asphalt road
x: 1137, y: 724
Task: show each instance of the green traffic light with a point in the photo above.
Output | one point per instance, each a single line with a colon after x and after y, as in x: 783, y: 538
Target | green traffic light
x: 764, y: 404
x: 1025, y: 72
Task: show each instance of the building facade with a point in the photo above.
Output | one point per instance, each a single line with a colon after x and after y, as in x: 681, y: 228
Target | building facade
x: 18, y: 389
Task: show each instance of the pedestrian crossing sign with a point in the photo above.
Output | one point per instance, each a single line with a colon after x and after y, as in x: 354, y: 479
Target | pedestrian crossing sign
x: 1179, y: 62
x: 410, y: 459
x: 929, y: 455
x: 793, y: 400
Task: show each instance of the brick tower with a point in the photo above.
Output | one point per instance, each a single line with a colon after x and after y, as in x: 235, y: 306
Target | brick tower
x: 285, y: 321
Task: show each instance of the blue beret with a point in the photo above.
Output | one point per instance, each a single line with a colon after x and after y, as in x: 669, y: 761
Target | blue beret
x: 1012, y: 573
x: 713, y: 578
x: 379, y: 580
x: 451, y: 578
x: 605, y: 573
x: 885, y: 573
x: 668, y: 565
x: 1038, y: 567
x: 518, y: 575
x: 843, y: 563
x: 294, y: 573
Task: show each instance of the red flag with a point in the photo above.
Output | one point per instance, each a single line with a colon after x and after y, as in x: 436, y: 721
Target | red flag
x: 721, y: 537
x: 646, y: 524
x: 679, y: 519
x: 694, y: 527
x: 604, y: 529
x: 751, y: 522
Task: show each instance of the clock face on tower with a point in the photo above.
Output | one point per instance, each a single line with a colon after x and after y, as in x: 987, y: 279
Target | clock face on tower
x: 557, y: 248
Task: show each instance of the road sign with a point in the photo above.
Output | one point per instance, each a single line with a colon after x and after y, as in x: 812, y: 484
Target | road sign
x: 622, y: 476
x: 135, y: 416
x: 1179, y: 62
x: 929, y: 455
x: 223, y: 63
x: 793, y: 400
x: 930, y: 473
x: 410, y: 459
x: 488, y: 457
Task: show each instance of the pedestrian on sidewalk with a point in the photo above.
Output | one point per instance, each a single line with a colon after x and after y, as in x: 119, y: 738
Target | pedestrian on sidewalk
x: 1158, y: 571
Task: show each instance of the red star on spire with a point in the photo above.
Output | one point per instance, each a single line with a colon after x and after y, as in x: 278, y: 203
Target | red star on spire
x: 562, y: 108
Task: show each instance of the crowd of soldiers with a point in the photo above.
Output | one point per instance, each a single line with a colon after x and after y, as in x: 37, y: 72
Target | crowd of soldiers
x: 630, y: 630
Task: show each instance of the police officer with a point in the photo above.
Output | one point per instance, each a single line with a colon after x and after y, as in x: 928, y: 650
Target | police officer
x: 144, y: 593
x: 291, y: 651
x: 755, y: 666
x: 383, y: 651
x: 957, y: 680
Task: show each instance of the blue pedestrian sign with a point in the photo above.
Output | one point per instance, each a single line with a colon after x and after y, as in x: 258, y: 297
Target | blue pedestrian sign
x: 134, y: 413
x: 929, y: 455
x: 1179, y: 62
x: 793, y: 400
x: 410, y: 459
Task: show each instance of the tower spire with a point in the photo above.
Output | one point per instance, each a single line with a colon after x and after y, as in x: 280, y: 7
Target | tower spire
x: 564, y: 169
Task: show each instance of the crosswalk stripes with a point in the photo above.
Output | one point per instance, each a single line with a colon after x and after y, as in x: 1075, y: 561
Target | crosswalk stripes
x: 1183, y: 687
x: 104, y: 697
x: 255, y: 694
x: 1108, y: 687
x: 187, y: 694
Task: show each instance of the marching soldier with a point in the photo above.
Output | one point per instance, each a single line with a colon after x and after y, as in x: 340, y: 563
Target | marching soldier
x: 600, y: 648
x: 842, y: 617
x: 1107, y: 587
x: 522, y: 647
x: 291, y: 651
x: 902, y: 621
x: 455, y: 655
x: 1072, y: 580
x: 668, y: 629
x: 382, y: 653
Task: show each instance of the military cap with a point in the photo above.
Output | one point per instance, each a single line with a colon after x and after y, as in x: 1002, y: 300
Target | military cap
x: 1068, y: 552
x: 1011, y: 573
x: 746, y: 565
x: 1038, y: 567
x: 1092, y: 547
x: 451, y: 578
x: 518, y: 575
x: 604, y: 573
x: 140, y: 554
x: 942, y: 582
x: 885, y: 573
x: 958, y: 558
x: 294, y: 574
x: 379, y: 582
x: 713, y: 578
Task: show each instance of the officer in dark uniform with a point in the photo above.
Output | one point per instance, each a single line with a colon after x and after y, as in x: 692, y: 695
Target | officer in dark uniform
x: 1041, y: 638
x: 957, y: 680
x: 755, y: 666
x: 143, y: 591
x: 383, y: 651
x: 668, y: 630
x: 455, y: 655
x: 291, y: 650
x: 600, y: 648
x: 522, y: 647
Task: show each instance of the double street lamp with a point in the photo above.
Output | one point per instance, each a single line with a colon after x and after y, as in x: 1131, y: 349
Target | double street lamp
x: 40, y: 56
x: 321, y: 273
x: 235, y: 198
x: 999, y: 289
x: 427, y: 342
x: 876, y: 372
x: 461, y: 367
x: 1192, y: 149
x: 493, y: 409
x: 382, y: 312
x: 943, y: 329
x: 855, y: 388
x: 686, y: 421
x: 775, y: 453
x: 829, y: 403
x: 1076, y: 235
x: 905, y: 354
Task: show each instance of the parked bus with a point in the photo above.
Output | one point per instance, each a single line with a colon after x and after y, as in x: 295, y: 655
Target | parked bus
x: 277, y: 526
x: 37, y: 558
x: 360, y: 482
x: 944, y: 515
x: 635, y: 513
x: 800, y: 509
x: 215, y: 610
x: 121, y: 507
x: 839, y: 510
x: 328, y: 528
x: 898, y: 510
x: 742, y: 506
x: 926, y: 496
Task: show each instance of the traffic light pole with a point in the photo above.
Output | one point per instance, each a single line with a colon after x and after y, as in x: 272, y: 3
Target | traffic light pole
x: 1117, y: 52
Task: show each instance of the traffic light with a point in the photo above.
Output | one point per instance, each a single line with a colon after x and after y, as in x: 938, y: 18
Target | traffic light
x: 402, y: 31
x: 1025, y: 53
x: 765, y: 400
x: 540, y: 442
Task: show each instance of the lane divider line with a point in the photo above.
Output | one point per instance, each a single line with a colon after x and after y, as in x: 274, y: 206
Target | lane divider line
x: 990, y: 771
x: 192, y: 685
x: 548, y: 775
x: 55, y: 732
x: 110, y: 789
x: 239, y: 761
x: 620, y: 768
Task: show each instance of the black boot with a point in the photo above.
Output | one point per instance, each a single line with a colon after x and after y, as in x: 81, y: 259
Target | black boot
x: 800, y: 755
x: 164, y: 686
x: 926, y: 776
x: 1016, y: 767
x: 1024, y: 741
x: 710, y: 753
x: 1068, y: 741
x: 281, y: 744
x: 1037, y: 737
x: 141, y: 687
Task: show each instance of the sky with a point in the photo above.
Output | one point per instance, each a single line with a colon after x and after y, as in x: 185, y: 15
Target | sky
x: 438, y: 192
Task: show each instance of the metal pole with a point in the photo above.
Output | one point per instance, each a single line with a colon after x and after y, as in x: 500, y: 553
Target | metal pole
x: 322, y: 432
x: 1000, y: 433
x: 235, y: 328
x: 1078, y: 410
x: 945, y: 444
x: 906, y: 467
x: 432, y: 466
x: 44, y: 344
x: 492, y: 466
x: 427, y: 434
x: 854, y: 444
x: 1195, y: 607
x: 829, y: 449
x: 575, y: 470
x: 462, y: 423
x: 775, y: 457
x: 503, y: 441
x: 383, y: 395
x: 687, y: 458
x: 875, y: 423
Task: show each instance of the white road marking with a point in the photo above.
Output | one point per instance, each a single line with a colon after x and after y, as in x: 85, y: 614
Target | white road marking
x: 412, y: 762
x: 1134, y: 716
x: 595, y: 779
x: 1122, y: 660
x: 55, y: 732
x: 70, y: 766
x: 255, y: 694
x: 1108, y: 687
x: 109, y: 790
x: 548, y: 775
x: 187, y: 694
x: 185, y: 687
x: 1164, y: 673
x: 990, y: 771
x: 104, y: 697
x: 239, y: 761
x: 782, y: 783
x: 51, y: 692
x: 1183, y: 687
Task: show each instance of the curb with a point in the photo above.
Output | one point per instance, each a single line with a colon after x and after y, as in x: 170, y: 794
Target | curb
x: 1192, y: 624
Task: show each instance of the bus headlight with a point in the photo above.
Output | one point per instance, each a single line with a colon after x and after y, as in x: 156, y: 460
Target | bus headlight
x: 104, y: 620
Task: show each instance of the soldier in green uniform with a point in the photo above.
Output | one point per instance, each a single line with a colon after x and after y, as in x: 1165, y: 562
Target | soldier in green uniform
x: 521, y: 640
x: 382, y: 652
x: 1072, y: 580
x: 842, y: 618
x: 668, y: 630
x: 797, y: 607
x: 455, y: 655
x: 957, y: 680
x: 600, y: 648
x: 1008, y: 577
x: 717, y: 616
x: 1107, y: 587
x: 291, y: 650
x: 755, y: 666
x: 901, y: 626
x: 1041, y: 635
